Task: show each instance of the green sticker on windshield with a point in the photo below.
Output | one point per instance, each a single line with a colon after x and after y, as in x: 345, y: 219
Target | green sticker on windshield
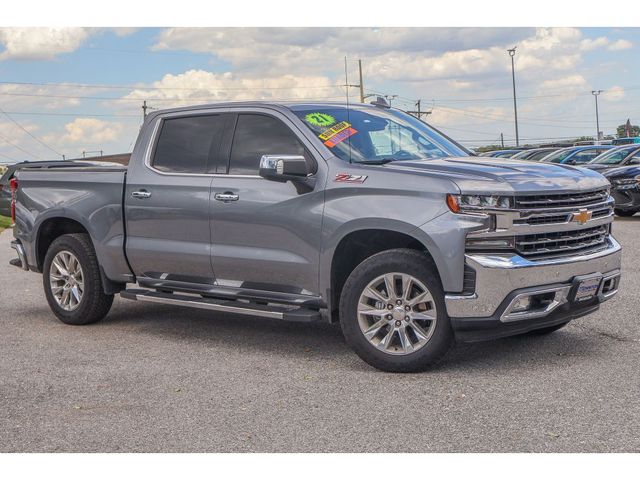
x: 319, y: 119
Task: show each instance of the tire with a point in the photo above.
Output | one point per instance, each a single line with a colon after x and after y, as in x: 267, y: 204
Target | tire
x: 439, y: 336
x: 548, y: 330
x: 624, y: 213
x: 94, y: 304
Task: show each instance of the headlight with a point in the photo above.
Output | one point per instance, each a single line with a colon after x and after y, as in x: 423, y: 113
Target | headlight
x: 478, y: 203
x: 626, y: 181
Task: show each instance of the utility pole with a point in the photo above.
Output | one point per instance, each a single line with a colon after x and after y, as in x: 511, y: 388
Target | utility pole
x: 595, y: 94
x: 144, y: 110
x: 502, y: 139
x: 512, y: 53
x: 418, y: 112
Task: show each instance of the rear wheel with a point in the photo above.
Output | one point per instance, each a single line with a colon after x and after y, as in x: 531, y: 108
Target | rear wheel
x: 72, y: 281
x: 392, y: 312
x: 624, y: 213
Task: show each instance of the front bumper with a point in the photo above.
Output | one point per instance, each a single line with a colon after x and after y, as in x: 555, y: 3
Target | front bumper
x: 500, y: 279
x: 627, y: 197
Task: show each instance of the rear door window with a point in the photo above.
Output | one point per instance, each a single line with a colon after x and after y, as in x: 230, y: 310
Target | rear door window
x: 189, y: 144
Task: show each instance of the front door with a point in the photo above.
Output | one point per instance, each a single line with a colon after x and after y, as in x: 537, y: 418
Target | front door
x: 167, y: 202
x: 266, y: 234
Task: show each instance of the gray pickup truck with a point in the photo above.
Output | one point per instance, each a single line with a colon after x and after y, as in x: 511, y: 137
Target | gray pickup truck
x: 358, y: 214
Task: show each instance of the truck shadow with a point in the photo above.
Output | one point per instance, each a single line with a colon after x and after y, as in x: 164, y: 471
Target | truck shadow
x: 323, y: 343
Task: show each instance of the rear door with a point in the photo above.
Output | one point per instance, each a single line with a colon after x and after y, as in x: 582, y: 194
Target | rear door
x: 167, y: 204
x: 267, y: 237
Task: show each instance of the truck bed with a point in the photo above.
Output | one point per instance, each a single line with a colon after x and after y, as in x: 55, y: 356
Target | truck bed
x: 90, y: 195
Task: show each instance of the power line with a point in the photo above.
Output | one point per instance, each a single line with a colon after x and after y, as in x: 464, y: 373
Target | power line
x: 143, y: 87
x: 30, y: 134
x: 2, y: 137
x: 131, y: 99
x: 8, y: 157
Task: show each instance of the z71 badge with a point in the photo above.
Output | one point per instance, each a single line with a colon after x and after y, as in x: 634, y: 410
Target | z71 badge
x: 348, y: 178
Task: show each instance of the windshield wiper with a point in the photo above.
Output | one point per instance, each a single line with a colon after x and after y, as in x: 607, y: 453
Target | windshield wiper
x: 382, y: 161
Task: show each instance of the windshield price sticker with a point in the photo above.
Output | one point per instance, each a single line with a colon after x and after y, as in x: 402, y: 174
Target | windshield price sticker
x: 340, y: 137
x: 327, y: 134
x: 319, y: 119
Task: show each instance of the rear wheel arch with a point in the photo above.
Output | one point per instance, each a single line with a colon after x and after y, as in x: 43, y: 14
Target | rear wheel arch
x: 51, y: 229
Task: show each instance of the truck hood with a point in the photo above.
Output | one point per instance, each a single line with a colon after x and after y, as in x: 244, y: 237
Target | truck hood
x: 504, y: 176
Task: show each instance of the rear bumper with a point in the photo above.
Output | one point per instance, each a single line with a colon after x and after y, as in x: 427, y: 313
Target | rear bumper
x: 21, y: 261
x: 502, y: 279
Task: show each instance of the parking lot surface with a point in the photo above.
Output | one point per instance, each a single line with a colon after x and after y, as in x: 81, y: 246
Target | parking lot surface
x: 160, y: 378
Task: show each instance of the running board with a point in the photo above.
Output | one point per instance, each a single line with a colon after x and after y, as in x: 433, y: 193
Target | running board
x: 291, y: 314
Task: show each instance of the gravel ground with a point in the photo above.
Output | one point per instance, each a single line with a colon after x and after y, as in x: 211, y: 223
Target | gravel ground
x: 154, y: 378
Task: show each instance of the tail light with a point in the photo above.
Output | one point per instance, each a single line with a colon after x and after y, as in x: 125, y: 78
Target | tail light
x: 14, y: 193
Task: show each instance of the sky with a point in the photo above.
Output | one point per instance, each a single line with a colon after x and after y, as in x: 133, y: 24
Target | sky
x: 65, y: 91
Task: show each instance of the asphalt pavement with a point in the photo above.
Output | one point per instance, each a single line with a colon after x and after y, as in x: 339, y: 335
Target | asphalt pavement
x: 153, y: 378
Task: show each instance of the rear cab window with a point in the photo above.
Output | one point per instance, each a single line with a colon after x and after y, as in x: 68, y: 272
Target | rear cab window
x: 189, y: 144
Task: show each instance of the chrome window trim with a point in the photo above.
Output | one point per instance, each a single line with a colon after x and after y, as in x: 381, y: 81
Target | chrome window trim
x: 189, y: 113
x: 154, y: 138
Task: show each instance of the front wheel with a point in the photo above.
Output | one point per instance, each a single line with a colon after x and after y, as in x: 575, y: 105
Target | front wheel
x: 392, y: 312
x: 72, y: 281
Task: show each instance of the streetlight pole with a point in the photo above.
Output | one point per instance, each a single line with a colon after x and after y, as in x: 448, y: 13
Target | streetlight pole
x: 512, y: 53
x: 595, y: 94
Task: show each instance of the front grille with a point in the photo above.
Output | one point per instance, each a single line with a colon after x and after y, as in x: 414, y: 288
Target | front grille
x: 562, y: 243
x: 561, y: 200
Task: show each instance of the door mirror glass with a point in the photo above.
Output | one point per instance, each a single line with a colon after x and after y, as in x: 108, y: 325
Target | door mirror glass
x: 284, y: 167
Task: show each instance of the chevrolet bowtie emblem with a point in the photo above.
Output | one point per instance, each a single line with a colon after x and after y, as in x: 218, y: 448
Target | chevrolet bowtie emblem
x: 583, y: 216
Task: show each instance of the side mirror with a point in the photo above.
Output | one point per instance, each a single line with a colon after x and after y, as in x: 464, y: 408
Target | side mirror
x: 284, y: 167
x: 571, y: 161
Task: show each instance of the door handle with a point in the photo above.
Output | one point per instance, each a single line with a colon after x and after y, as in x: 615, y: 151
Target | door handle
x: 226, y: 197
x: 141, y: 194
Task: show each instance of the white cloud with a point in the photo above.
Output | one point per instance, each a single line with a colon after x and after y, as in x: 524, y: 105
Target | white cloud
x: 613, y: 94
x: 570, y: 82
x: 87, y: 131
x: 40, y: 43
x: 591, y: 44
x: 621, y: 44
x: 199, y: 86
x: 44, y: 43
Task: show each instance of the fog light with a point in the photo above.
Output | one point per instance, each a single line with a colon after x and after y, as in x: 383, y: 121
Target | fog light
x: 521, y: 304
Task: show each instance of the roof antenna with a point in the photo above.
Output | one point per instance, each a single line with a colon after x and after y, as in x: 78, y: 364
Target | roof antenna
x: 381, y: 102
x: 346, y: 89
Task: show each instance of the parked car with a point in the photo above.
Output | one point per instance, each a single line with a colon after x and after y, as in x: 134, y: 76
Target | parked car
x: 616, y: 157
x: 625, y: 141
x: 5, y: 179
x: 533, y: 154
x: 500, y: 153
x: 625, y: 189
x: 362, y: 215
x: 576, y: 155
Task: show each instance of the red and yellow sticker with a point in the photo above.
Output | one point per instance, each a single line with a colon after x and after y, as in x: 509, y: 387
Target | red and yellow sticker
x: 338, y: 133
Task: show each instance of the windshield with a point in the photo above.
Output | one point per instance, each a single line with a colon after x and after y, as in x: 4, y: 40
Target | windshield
x: 615, y: 156
x: 558, y: 156
x: 370, y: 134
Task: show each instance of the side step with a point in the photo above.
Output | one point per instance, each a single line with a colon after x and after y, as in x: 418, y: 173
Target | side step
x: 287, y: 313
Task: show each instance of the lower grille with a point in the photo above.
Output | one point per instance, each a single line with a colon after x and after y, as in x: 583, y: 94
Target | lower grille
x: 562, y: 243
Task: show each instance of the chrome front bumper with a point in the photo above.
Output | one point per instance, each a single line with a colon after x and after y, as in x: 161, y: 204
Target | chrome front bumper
x: 501, y: 278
